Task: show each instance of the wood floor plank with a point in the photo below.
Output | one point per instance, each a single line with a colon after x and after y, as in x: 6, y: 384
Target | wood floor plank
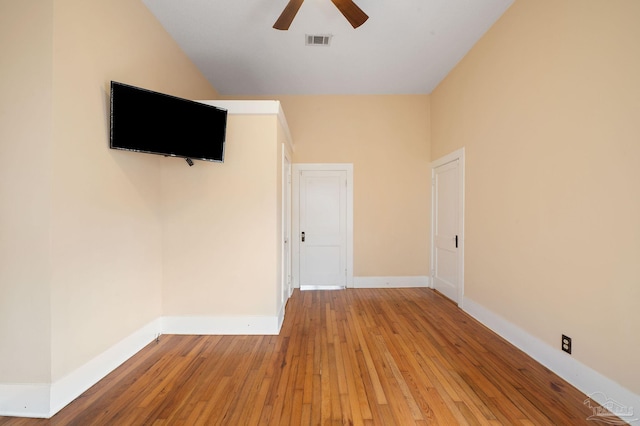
x: 351, y: 357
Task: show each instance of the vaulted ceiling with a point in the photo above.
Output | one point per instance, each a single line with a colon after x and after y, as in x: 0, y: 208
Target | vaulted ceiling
x: 405, y: 47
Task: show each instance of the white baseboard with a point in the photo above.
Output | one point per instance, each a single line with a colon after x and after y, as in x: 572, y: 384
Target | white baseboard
x: 391, y: 282
x: 44, y: 400
x: 240, y: 325
x: 70, y: 387
x: 25, y: 400
x: 600, y: 388
x: 281, y: 316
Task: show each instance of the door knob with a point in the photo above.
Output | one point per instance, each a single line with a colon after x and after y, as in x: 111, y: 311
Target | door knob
x: 302, y: 237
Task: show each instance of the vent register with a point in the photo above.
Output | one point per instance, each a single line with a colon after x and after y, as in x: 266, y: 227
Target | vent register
x: 317, y: 40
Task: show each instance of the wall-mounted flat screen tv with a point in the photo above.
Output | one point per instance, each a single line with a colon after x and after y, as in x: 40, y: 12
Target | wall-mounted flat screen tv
x: 155, y: 123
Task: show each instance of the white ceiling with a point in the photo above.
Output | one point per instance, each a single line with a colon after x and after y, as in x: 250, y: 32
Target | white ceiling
x: 406, y: 46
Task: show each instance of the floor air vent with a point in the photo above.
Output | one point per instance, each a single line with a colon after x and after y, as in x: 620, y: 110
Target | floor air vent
x: 318, y: 40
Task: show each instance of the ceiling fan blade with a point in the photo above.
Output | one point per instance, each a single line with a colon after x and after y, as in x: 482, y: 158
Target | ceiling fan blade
x: 287, y: 15
x: 352, y: 12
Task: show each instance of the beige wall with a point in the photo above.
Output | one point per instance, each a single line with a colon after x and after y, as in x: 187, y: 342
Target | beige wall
x: 106, y: 231
x: 25, y: 167
x: 387, y: 140
x: 547, y: 105
x: 220, y: 226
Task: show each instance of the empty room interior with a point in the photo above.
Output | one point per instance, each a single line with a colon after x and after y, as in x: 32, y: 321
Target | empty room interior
x: 105, y: 253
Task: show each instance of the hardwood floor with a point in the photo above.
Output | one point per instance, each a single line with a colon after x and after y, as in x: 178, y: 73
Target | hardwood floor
x: 358, y: 356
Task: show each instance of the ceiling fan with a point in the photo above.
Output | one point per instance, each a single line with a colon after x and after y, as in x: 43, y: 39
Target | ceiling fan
x: 349, y: 9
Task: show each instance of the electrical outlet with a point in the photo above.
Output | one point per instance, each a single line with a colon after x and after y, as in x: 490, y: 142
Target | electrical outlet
x: 566, y: 344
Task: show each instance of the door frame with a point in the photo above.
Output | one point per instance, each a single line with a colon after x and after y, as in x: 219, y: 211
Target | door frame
x: 297, y: 169
x: 455, y: 155
x: 286, y: 223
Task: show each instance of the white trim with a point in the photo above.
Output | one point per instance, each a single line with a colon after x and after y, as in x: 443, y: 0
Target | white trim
x: 25, y: 400
x: 285, y: 127
x: 321, y: 287
x: 249, y: 107
x: 255, y: 107
x: 70, y: 387
x: 286, y: 260
x: 391, y: 282
x: 45, y: 400
x: 295, y: 205
x: 222, y: 325
x: 584, y: 378
x: 460, y: 156
x: 281, y: 314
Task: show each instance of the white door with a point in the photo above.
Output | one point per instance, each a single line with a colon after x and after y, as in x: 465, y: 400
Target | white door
x: 322, y: 229
x: 447, y: 226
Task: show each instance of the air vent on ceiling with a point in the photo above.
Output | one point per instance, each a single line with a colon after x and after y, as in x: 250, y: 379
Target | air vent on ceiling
x: 318, y: 40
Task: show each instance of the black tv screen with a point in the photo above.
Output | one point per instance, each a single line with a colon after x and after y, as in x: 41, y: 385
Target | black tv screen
x: 155, y: 123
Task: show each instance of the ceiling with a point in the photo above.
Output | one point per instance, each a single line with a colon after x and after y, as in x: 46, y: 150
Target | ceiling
x: 405, y: 47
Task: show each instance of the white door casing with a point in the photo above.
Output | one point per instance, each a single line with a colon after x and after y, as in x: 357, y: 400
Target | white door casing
x: 447, y: 225
x: 322, y: 241
x: 286, y: 288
